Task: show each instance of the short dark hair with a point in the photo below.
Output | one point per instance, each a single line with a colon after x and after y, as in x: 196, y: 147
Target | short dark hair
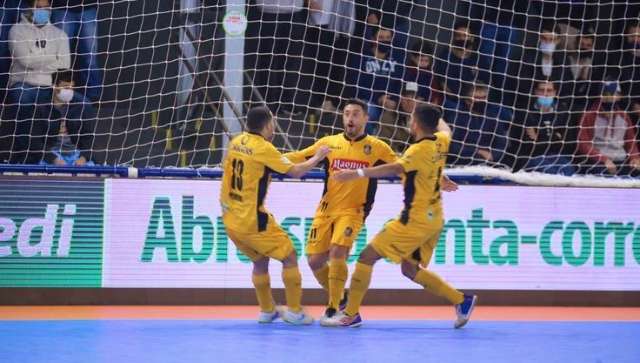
x: 257, y: 118
x: 357, y: 102
x: 427, y: 115
x: 64, y: 75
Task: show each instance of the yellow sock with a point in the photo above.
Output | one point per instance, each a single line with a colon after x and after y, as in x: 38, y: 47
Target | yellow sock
x: 292, y: 288
x: 262, y: 283
x: 437, y: 286
x: 322, y: 275
x: 359, y: 284
x: 338, y: 273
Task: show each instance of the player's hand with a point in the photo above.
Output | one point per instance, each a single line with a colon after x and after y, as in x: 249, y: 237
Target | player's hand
x: 447, y: 184
x: 322, y: 152
x: 485, y: 154
x: 315, y: 5
x: 611, y: 167
x: 635, y: 163
x: 344, y: 175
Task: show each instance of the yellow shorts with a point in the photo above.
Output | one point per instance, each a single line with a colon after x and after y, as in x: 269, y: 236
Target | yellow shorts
x: 325, y: 231
x: 273, y: 242
x: 410, y: 242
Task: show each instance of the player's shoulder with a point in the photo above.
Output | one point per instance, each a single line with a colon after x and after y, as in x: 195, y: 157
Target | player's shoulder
x: 442, y: 136
x: 377, y: 142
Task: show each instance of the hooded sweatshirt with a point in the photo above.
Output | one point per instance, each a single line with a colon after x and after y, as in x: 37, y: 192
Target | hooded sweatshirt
x: 37, y: 52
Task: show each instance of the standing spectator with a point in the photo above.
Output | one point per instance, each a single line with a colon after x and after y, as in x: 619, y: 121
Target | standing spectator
x: 79, y: 19
x: 479, y: 128
x: 607, y: 136
x: 459, y: 66
x: 587, y: 68
x: 546, y: 62
x: 274, y: 47
x: 378, y: 75
x: 419, y: 70
x: 549, y: 141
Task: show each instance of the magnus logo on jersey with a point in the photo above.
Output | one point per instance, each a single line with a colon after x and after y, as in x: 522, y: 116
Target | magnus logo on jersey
x: 348, y: 164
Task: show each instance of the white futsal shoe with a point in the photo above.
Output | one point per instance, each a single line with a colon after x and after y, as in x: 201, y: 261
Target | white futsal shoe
x: 300, y: 318
x: 266, y: 317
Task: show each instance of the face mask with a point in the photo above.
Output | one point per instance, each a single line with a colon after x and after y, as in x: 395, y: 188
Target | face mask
x: 41, y: 16
x: 608, y: 106
x: 547, y: 47
x: 384, y: 47
x: 545, y: 101
x: 65, y: 95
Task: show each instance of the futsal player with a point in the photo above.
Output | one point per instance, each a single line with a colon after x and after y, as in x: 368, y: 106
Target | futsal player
x: 343, y: 206
x: 250, y: 159
x: 410, y: 238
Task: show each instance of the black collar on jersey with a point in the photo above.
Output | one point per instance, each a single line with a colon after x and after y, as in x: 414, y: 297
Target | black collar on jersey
x: 361, y: 137
x: 255, y: 133
x: 430, y: 138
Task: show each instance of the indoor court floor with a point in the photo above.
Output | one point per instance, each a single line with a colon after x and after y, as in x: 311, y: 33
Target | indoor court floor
x: 193, y: 334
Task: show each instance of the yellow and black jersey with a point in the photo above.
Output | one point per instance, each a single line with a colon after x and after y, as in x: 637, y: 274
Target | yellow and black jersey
x: 355, y: 197
x: 423, y: 162
x: 245, y: 179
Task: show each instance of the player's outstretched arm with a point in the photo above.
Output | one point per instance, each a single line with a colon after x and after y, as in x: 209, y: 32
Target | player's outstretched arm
x: 381, y: 171
x: 443, y: 127
x: 298, y: 170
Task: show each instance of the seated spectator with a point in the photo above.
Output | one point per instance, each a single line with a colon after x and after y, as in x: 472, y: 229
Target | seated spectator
x: 64, y: 152
x: 548, y: 141
x: 378, y: 76
x: 78, y: 19
x: 607, y: 136
x: 546, y: 62
x: 587, y: 68
x: 479, y: 128
x: 460, y: 65
x: 38, y: 49
x: 394, y: 124
x: 419, y: 70
x: 630, y: 69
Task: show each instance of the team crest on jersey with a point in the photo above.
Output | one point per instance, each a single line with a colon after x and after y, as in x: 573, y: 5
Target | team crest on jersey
x: 244, y: 140
x: 348, y: 232
x: 367, y: 149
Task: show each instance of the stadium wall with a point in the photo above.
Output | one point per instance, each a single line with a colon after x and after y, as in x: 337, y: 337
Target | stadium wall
x: 161, y: 241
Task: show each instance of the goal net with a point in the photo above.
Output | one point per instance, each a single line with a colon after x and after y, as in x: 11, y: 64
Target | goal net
x: 537, y: 86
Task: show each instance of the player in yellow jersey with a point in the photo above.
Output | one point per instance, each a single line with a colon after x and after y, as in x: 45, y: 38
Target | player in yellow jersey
x: 250, y: 159
x: 411, y: 238
x: 343, y: 206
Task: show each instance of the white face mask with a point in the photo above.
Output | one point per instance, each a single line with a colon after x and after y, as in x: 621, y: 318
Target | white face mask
x: 547, y: 47
x: 65, y: 95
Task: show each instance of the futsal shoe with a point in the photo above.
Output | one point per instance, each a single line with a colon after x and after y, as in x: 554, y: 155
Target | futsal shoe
x: 300, y: 318
x: 328, y: 314
x: 464, y: 310
x: 268, y: 317
x: 341, y: 319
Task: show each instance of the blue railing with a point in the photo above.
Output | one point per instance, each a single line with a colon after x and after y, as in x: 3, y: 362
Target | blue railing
x: 155, y: 172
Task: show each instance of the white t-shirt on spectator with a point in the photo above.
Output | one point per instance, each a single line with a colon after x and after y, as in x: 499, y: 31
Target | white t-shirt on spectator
x: 323, y: 17
x: 280, y: 6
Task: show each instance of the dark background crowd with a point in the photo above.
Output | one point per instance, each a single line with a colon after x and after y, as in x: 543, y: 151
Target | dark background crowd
x: 547, y: 86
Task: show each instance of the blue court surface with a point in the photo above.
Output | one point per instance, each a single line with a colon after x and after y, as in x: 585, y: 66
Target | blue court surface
x: 188, y: 341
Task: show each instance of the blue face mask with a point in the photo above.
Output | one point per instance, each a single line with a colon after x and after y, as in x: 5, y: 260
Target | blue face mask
x: 41, y: 16
x: 544, y: 101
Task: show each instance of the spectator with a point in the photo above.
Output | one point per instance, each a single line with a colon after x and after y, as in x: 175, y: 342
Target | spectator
x: 378, y: 76
x: 419, y: 70
x: 587, y: 69
x: 607, y: 136
x: 630, y: 68
x: 394, y: 124
x: 460, y: 65
x: 274, y: 47
x: 546, y: 62
x: 9, y: 15
x: 549, y: 140
x: 38, y: 49
x: 78, y: 18
x: 479, y: 128
x: 64, y: 152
